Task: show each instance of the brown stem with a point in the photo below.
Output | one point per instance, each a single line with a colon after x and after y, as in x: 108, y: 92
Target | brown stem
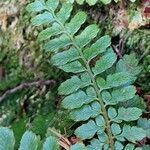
x: 26, y: 85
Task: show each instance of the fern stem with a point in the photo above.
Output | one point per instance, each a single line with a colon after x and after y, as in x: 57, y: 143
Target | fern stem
x: 105, y: 115
x: 108, y: 127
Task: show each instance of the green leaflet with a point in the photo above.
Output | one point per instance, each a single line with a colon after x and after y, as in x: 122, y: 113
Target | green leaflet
x: 145, y: 124
x: 74, y: 25
x: 52, y: 4
x: 42, y: 19
x: 129, y: 64
x: 98, y: 47
x: 100, y: 121
x: 95, y: 144
x: 87, y: 131
x: 100, y: 143
x: 56, y: 44
x: 133, y: 134
x: 112, y: 113
x: 127, y: 93
x: 74, y: 67
x: 29, y: 141
x: 87, y: 111
x: 136, y: 101
x: 118, y: 146
x: 115, y: 97
x: 7, y: 139
x: 72, y: 101
x: 129, y: 146
x: 64, y: 12
x: 80, y: 1
x: 49, y: 32
x: 104, y: 63
x: 51, y: 144
x: 91, y: 2
x: 64, y: 57
x: 118, y: 79
x: 87, y: 35
x: 105, y: 1
x: 128, y: 114
x: 73, y: 84
x: 101, y: 83
x: 36, y: 6
x: 116, y: 129
x: 78, y: 147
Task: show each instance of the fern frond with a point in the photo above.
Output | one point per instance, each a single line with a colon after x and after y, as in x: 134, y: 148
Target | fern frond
x: 93, y: 93
x: 29, y: 141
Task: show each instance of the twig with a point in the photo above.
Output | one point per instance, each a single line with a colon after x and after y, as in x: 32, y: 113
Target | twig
x: 63, y: 141
x: 26, y: 85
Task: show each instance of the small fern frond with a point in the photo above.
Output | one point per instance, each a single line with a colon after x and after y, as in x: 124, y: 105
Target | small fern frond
x: 29, y: 141
x: 94, y: 92
x: 7, y: 139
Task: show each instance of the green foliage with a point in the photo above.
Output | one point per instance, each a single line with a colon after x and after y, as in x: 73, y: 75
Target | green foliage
x: 93, y: 2
x: 51, y: 144
x: 7, y: 140
x: 29, y: 141
x: 94, y: 92
x: 145, y: 124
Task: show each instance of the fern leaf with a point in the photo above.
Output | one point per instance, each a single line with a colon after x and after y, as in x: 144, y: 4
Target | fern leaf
x: 116, y: 129
x: 105, y: 1
x: 42, y: 19
x: 128, y: 114
x: 78, y: 147
x: 104, y: 63
x: 118, y: 79
x: 29, y: 141
x: 7, y: 139
x: 84, y: 99
x: 87, y: 111
x: 56, y: 44
x: 74, y: 25
x: 87, y: 35
x: 87, y: 131
x: 133, y: 134
x: 127, y: 92
x: 145, y: 124
x: 36, y: 6
x: 65, y: 57
x: 52, y: 4
x: 49, y: 32
x: 129, y: 64
x: 93, y: 95
x: 98, y: 47
x: 64, y: 12
x: 74, y: 67
x: 51, y: 144
x: 80, y: 1
x: 73, y: 84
